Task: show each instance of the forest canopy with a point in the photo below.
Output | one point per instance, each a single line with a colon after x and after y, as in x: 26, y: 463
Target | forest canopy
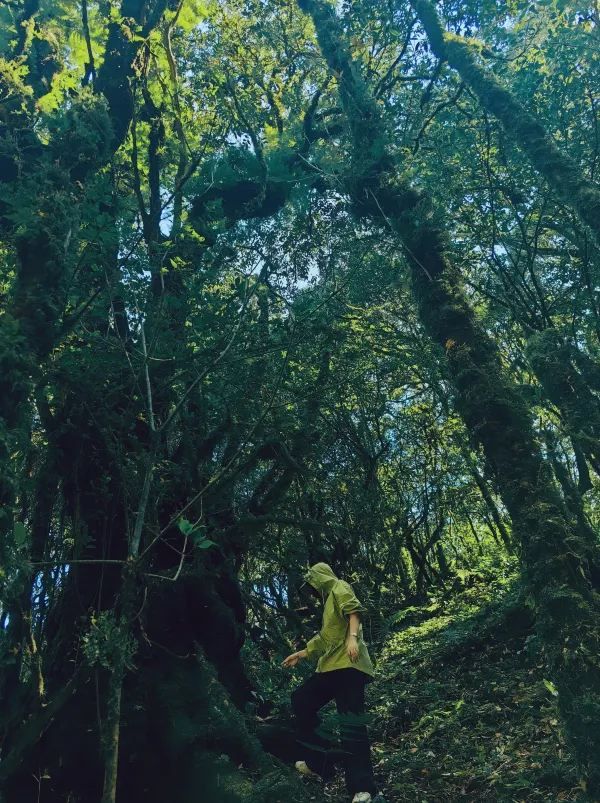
x: 286, y: 281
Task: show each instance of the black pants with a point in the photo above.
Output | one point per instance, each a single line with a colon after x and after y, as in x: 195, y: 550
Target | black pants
x: 347, y: 687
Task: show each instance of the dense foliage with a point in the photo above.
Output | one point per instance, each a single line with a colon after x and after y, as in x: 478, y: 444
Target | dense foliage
x: 284, y: 282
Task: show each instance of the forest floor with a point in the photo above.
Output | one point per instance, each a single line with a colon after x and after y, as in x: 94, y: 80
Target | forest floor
x: 462, y: 709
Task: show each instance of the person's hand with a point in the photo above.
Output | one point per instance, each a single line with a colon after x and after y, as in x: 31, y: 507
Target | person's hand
x: 352, y: 648
x: 291, y: 660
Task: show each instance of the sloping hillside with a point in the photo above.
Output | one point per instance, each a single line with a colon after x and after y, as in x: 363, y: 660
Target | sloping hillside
x: 462, y: 710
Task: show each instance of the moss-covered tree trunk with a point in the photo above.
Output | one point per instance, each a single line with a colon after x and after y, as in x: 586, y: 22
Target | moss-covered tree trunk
x: 53, y: 180
x: 555, y: 558
x: 560, y: 171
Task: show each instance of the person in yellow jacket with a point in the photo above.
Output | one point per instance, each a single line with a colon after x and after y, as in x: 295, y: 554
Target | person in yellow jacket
x: 343, y: 669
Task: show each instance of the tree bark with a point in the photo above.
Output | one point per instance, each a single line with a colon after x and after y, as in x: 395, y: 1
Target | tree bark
x: 112, y: 733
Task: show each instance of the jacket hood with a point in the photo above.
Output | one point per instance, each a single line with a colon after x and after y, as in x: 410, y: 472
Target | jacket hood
x: 321, y: 577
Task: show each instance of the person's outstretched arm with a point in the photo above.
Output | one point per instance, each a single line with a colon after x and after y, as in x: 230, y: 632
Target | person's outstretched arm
x: 314, y: 648
x: 293, y: 659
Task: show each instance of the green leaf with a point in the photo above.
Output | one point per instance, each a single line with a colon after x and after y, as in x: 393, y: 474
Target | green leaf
x: 186, y: 527
x: 20, y: 533
x: 196, y: 533
x: 551, y: 687
x: 205, y: 543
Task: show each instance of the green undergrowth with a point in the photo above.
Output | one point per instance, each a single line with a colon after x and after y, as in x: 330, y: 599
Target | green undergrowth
x: 463, y: 709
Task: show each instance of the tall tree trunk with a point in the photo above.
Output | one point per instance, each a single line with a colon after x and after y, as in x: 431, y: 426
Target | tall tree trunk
x: 556, y: 559
x: 560, y: 171
x: 112, y: 732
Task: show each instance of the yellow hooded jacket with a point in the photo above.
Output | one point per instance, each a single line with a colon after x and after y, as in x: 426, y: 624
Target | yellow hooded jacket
x: 329, y: 645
